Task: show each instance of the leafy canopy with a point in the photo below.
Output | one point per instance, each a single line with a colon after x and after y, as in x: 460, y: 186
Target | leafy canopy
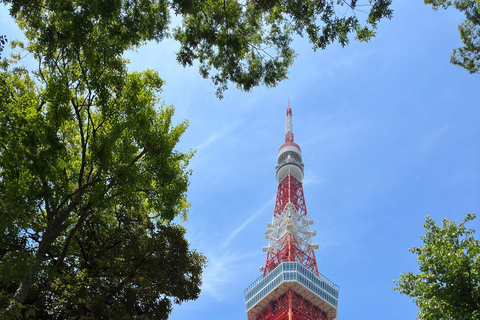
x: 247, y: 42
x: 90, y: 180
x: 467, y: 56
x: 89, y: 185
x: 448, y: 285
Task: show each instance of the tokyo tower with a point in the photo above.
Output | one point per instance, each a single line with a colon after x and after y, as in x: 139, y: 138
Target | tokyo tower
x: 290, y: 287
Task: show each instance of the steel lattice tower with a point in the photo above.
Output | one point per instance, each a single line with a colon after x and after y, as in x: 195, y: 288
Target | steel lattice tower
x: 290, y: 288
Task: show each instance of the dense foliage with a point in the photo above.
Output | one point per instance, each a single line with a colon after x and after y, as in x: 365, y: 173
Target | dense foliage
x: 467, y: 56
x: 247, y: 42
x: 89, y: 185
x: 90, y: 181
x: 448, y: 285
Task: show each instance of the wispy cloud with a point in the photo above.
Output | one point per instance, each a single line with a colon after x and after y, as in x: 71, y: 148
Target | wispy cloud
x: 220, y: 273
x: 221, y: 174
x: 211, y: 139
x: 312, y: 179
x: 216, y: 273
x: 220, y: 133
x: 218, y: 136
x: 431, y: 139
x: 252, y: 217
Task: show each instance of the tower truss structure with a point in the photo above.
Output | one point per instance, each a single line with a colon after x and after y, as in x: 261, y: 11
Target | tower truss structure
x: 290, y: 287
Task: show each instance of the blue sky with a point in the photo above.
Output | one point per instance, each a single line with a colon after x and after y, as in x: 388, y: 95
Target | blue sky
x: 389, y: 132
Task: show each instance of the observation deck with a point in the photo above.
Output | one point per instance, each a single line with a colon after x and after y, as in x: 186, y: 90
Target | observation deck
x: 319, y: 290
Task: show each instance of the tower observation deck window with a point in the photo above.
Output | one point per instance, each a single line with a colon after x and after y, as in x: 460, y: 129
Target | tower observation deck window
x: 288, y: 272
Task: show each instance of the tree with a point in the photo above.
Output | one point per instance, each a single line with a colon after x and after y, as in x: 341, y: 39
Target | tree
x: 448, y: 285
x: 89, y: 185
x: 467, y: 56
x: 247, y: 42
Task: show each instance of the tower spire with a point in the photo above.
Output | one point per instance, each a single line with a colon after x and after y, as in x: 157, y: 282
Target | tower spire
x: 289, y: 124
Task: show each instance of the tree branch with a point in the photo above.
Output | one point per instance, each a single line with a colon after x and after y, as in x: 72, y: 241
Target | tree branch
x: 84, y: 146
x: 66, y: 245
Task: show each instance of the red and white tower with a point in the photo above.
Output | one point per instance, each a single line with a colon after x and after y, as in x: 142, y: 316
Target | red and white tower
x: 290, y: 288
